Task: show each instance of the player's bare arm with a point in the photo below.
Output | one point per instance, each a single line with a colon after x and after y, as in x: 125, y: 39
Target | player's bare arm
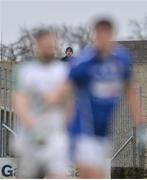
x: 59, y: 94
x: 62, y: 94
x: 20, y: 105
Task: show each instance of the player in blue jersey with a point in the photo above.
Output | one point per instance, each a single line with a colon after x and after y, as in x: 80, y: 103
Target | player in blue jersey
x: 99, y: 79
x: 99, y: 82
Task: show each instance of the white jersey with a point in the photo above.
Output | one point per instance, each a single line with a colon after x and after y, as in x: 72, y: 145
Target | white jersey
x: 47, y: 140
x: 37, y: 80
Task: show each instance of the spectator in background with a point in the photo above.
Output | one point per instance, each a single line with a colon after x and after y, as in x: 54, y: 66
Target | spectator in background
x: 68, y: 54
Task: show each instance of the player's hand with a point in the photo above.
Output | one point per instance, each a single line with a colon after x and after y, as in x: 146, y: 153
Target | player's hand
x: 142, y: 134
x: 38, y: 134
x: 53, y: 99
x: 58, y: 94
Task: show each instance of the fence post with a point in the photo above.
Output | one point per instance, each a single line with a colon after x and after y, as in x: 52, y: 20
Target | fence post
x: 134, y: 146
x: 0, y: 112
x: 142, y: 146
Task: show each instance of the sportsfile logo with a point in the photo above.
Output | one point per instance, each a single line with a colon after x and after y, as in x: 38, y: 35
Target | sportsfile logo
x: 8, y: 171
x: 8, y: 167
x: 73, y: 172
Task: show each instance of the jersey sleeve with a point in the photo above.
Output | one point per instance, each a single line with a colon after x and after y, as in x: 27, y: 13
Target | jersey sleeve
x: 87, y: 53
x: 79, y: 74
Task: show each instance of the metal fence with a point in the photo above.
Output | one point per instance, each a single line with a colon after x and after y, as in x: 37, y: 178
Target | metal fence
x: 6, y: 111
x: 125, y: 151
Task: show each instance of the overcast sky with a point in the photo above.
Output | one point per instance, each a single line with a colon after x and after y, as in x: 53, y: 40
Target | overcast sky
x: 19, y: 13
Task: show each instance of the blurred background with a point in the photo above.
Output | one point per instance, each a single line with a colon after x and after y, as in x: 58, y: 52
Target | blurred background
x: 71, y: 20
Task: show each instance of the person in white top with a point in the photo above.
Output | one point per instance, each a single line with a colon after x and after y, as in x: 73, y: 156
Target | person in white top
x: 42, y: 141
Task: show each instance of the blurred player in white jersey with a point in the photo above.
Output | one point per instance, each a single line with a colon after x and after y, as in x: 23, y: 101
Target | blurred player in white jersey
x: 42, y: 141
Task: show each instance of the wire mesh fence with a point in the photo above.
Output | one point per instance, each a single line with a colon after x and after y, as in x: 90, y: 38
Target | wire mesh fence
x: 122, y: 127
x: 6, y: 111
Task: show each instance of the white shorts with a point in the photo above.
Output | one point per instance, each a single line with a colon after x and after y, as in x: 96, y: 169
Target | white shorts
x: 93, y: 151
x: 45, y: 146
x: 51, y: 157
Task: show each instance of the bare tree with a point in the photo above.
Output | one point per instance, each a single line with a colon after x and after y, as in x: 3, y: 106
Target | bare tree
x: 7, y: 52
x: 138, y: 30
x: 23, y: 46
x: 75, y: 36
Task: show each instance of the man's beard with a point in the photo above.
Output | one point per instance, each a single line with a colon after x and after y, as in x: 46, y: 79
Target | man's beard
x: 47, y: 59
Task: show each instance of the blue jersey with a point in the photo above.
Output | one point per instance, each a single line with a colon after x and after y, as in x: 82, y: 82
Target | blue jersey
x: 99, y: 83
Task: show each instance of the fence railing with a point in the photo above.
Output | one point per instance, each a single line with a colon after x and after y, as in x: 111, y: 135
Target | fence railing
x: 7, y: 118
x: 122, y: 147
x: 9, y: 129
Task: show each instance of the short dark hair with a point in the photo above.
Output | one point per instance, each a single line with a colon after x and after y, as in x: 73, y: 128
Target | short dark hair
x: 105, y: 23
x: 69, y: 48
x: 39, y: 33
